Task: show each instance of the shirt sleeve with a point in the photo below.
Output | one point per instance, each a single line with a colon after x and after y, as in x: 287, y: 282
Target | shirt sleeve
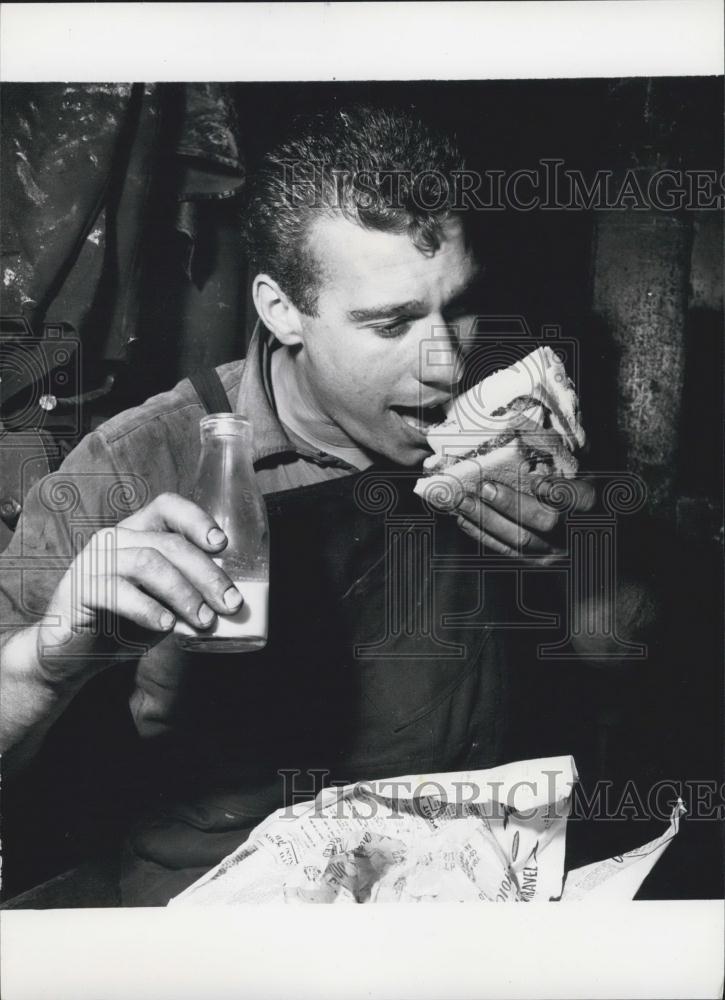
x: 89, y: 776
x: 60, y: 513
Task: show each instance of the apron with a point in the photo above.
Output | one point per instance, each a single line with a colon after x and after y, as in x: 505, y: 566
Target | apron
x: 381, y: 661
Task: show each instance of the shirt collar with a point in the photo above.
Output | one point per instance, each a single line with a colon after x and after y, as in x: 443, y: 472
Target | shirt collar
x: 255, y: 399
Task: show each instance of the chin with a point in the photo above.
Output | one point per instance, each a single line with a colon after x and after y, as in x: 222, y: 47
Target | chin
x: 395, y: 447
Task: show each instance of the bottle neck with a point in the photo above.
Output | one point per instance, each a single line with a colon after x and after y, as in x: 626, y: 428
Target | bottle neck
x: 225, y: 477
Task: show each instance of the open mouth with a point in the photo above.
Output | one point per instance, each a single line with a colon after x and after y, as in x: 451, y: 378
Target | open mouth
x: 420, y: 418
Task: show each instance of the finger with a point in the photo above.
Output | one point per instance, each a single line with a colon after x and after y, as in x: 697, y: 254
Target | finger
x: 122, y: 599
x: 216, y: 588
x: 515, y: 537
x: 171, y: 512
x: 521, y: 508
x: 150, y: 569
x: 480, y: 536
x: 558, y: 490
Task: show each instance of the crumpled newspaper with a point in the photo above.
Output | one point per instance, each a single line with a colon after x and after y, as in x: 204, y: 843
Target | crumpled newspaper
x: 495, y: 835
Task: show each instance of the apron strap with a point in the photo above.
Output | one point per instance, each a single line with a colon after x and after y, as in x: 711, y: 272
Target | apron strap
x: 210, y: 390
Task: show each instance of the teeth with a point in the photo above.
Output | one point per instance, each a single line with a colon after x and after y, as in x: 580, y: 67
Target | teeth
x: 421, y: 420
x: 416, y: 423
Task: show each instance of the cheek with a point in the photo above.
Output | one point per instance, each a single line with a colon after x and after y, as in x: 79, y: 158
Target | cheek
x: 343, y: 372
x: 355, y: 368
x: 370, y: 385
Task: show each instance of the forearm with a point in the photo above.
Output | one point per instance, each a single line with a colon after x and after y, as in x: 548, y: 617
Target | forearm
x: 631, y: 613
x: 30, y: 702
x: 625, y: 605
x: 595, y: 619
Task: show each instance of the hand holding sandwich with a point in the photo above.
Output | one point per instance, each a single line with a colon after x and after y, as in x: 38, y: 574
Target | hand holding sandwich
x: 517, y: 523
x: 505, y: 464
x: 504, y: 452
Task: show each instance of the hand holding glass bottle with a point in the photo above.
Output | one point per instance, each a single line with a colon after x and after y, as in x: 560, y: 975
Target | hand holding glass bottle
x: 128, y: 588
x: 226, y: 489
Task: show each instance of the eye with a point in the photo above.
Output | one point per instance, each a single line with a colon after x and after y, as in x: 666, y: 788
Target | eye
x: 396, y: 329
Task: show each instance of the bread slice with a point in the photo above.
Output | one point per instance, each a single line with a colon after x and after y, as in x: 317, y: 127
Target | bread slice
x: 518, y: 424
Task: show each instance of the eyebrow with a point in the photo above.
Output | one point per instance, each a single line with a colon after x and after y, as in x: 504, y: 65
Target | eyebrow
x: 414, y: 307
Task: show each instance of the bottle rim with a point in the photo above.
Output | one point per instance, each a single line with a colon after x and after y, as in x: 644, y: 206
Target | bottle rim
x: 231, y: 423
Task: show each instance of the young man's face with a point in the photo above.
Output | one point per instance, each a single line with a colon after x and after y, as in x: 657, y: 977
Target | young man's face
x: 380, y: 358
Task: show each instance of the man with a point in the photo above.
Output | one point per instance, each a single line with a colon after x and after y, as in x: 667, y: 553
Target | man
x: 351, y: 283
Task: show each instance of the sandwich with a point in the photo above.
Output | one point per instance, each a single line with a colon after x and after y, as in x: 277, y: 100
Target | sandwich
x: 519, y: 424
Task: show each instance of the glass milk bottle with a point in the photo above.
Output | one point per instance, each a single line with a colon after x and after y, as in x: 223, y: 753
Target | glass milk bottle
x: 227, y: 489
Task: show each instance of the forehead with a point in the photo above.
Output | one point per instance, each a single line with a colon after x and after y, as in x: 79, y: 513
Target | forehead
x: 359, y: 268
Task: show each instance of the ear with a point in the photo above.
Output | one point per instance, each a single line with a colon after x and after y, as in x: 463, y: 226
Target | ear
x: 276, y: 311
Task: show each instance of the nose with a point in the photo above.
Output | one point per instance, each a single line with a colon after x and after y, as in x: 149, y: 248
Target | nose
x: 439, y: 357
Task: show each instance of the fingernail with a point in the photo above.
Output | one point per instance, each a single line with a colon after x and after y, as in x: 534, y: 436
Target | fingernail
x: 467, y: 505
x: 205, y: 614
x: 232, y: 598
x: 488, y: 491
x: 166, y: 620
x: 216, y: 536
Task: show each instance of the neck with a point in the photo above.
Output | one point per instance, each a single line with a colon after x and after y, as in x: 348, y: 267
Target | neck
x: 298, y: 410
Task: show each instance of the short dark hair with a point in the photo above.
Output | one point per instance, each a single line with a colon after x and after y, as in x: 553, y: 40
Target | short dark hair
x: 384, y: 169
